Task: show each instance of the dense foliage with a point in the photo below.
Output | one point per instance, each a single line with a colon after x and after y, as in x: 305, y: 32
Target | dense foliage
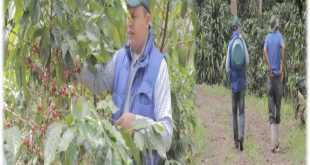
x: 254, y: 31
x: 183, y: 110
x: 211, y: 41
x: 293, y: 29
x: 50, y: 117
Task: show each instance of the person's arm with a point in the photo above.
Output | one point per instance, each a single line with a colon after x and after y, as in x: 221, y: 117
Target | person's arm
x: 163, y: 109
x: 227, y: 60
x: 283, y: 57
x: 265, y: 54
x: 247, y: 60
x: 266, y: 57
x: 101, y: 80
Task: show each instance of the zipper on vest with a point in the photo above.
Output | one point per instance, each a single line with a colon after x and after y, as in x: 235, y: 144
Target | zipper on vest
x: 135, y: 94
x: 124, y: 101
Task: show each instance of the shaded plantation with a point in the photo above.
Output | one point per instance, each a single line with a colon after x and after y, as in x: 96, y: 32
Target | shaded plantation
x: 215, y: 32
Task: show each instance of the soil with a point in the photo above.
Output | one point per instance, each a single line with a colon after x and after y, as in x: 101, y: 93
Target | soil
x: 214, y: 112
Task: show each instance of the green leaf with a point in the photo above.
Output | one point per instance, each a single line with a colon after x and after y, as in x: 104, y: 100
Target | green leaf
x: 157, y: 142
x: 24, y: 24
x: 93, y: 32
x: 57, y: 5
x: 5, y: 51
x: 183, y: 8
x: 116, y: 159
x: 108, y: 159
x: 107, y: 104
x: 66, y: 139
x: 35, y: 11
x: 12, y: 11
x: 140, y: 124
x: 57, y: 35
x: 51, y: 142
x: 100, y: 155
x: 88, y: 147
x: 149, y: 145
x: 79, y: 5
x: 12, y: 137
x: 95, y: 6
x: 45, y: 47
x: 26, y: 3
x: 91, y: 62
x: 158, y: 128
x: 69, y: 61
x: 73, y: 48
x: 37, y: 33
x: 72, y: 5
x: 114, y: 133
x: 64, y: 49
x: 139, y: 140
x: 71, y: 155
x: 6, y: 4
x: 124, y: 6
x: 69, y: 119
x: 88, y: 133
x: 18, y: 68
x: 132, y: 146
x: 9, y: 155
x: 124, y: 155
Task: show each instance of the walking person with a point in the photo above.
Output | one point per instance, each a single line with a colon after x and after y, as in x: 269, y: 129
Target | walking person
x: 236, y: 61
x: 274, y: 53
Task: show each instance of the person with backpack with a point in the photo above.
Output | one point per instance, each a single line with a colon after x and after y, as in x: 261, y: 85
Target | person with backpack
x: 236, y: 61
x: 274, y: 53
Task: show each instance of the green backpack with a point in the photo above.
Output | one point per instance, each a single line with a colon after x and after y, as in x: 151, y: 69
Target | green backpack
x: 237, y: 53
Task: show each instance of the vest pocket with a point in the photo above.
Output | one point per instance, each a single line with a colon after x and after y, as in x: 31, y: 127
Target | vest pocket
x: 143, y: 110
x: 143, y: 102
x: 144, y: 95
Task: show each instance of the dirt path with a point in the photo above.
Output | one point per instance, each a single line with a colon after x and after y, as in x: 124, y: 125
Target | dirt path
x: 214, y: 112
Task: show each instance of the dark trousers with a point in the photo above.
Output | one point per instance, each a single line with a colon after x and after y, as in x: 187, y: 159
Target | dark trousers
x: 274, y: 87
x: 238, y: 103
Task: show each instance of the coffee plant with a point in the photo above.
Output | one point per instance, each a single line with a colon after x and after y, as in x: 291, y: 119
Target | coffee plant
x: 182, y: 148
x: 52, y: 119
x: 179, y: 47
x: 210, y: 60
x: 212, y: 40
x: 293, y: 29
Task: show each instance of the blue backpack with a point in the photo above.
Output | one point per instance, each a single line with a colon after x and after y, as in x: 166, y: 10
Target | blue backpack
x: 237, y: 56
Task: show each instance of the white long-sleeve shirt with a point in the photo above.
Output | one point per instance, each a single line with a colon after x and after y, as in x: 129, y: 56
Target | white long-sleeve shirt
x: 103, y: 78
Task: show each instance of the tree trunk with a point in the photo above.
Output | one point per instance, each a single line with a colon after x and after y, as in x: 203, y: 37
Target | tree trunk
x: 259, y: 6
x: 233, y: 7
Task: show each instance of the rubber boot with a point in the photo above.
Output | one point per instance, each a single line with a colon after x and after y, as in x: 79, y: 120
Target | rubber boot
x: 237, y: 144
x: 241, y: 144
x: 273, y: 137
x: 277, y: 138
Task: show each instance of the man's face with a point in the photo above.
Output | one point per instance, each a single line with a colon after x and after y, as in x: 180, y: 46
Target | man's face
x: 137, y: 27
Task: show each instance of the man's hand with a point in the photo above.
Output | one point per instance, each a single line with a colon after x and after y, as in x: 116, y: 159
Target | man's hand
x: 271, y: 76
x: 125, y: 121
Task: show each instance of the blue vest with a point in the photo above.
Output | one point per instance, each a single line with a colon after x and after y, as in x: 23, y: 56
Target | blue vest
x: 237, y: 76
x: 143, y: 85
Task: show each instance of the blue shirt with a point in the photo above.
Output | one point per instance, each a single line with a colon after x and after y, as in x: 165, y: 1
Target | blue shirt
x: 273, y: 43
